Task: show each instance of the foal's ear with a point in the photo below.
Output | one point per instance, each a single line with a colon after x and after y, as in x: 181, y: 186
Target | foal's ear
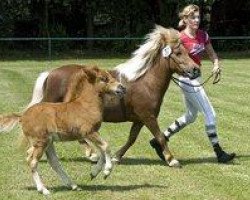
x: 92, y: 74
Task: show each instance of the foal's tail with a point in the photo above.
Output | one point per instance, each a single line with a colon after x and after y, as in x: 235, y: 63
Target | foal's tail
x: 37, y: 95
x: 8, y: 122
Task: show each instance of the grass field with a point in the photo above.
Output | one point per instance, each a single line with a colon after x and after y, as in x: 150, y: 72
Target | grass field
x: 141, y: 175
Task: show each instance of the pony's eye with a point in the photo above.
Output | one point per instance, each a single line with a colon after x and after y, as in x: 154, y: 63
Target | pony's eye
x: 178, y: 53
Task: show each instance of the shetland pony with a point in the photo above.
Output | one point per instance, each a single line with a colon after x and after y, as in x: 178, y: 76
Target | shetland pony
x: 79, y: 117
x: 147, y: 75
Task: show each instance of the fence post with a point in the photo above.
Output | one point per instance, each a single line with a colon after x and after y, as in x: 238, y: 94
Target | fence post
x: 49, y: 48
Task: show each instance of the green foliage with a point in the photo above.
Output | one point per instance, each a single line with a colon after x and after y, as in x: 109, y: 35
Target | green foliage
x: 101, y: 18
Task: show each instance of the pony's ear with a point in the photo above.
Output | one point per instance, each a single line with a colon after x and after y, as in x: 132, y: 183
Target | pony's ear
x: 76, y: 85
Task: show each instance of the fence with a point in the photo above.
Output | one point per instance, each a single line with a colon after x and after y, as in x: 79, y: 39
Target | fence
x: 47, y: 46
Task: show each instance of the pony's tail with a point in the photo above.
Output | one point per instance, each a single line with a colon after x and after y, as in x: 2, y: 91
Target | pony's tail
x: 37, y: 95
x: 8, y: 122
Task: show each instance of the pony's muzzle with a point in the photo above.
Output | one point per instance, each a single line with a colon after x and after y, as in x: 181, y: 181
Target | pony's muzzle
x: 194, y: 73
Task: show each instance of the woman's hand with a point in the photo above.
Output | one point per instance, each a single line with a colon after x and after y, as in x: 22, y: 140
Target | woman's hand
x: 216, y: 69
x: 217, y: 72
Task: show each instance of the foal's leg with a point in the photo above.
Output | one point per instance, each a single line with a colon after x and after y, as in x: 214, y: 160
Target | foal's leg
x: 153, y: 126
x: 105, y: 155
x: 55, y: 164
x: 134, y: 132
x: 34, y: 155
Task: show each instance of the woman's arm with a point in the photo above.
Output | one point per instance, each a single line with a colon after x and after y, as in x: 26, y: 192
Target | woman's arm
x: 213, y: 57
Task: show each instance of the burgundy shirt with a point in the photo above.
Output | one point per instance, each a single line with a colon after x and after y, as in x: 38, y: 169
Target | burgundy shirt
x: 195, y: 46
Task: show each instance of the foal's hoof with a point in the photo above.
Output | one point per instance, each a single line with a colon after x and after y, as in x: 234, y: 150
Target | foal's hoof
x: 174, y: 163
x: 106, y: 176
x: 75, y: 188
x: 92, y: 177
x: 116, y: 160
x: 107, y: 173
x: 94, y: 158
x: 45, y: 191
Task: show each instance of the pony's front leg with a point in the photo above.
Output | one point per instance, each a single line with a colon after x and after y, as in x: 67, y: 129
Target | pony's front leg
x: 134, y: 132
x: 152, y: 124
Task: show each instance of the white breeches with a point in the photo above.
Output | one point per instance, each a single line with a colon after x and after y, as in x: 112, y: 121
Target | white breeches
x: 196, y: 100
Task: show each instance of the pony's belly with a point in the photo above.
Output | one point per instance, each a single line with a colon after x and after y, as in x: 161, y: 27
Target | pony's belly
x: 114, y: 109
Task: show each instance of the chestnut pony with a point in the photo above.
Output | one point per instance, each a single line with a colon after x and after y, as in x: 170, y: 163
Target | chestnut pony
x: 78, y: 117
x: 147, y: 75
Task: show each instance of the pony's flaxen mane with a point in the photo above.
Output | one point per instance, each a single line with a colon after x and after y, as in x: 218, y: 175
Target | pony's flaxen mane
x: 144, y: 56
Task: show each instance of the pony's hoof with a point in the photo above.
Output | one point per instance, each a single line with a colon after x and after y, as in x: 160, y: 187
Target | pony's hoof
x: 174, y: 163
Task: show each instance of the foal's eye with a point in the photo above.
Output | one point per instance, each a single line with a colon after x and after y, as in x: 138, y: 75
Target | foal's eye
x: 104, y: 79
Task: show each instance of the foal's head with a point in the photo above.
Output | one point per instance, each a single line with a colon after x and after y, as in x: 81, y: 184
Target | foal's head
x: 93, y: 78
x: 107, y: 83
x: 175, y: 54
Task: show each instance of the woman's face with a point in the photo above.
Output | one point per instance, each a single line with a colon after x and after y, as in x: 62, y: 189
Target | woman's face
x: 193, y: 21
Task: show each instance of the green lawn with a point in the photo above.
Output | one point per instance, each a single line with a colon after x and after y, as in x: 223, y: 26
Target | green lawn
x: 141, y: 175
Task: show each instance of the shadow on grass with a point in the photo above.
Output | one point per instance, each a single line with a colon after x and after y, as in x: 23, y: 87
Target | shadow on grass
x: 213, y: 160
x: 113, y: 188
x: 76, y: 159
x: 125, y: 161
x: 199, y: 160
x: 149, y: 161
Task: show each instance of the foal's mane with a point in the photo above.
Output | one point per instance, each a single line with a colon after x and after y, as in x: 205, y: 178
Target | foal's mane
x: 83, y: 78
x: 145, y: 55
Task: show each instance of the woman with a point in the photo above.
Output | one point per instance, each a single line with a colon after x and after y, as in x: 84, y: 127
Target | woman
x: 196, y: 42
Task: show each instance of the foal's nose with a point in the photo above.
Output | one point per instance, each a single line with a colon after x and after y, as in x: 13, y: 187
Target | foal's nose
x: 122, y: 88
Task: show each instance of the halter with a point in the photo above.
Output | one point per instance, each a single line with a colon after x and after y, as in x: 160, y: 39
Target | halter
x: 177, y: 80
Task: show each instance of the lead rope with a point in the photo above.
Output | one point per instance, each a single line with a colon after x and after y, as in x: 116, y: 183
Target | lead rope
x: 177, y: 81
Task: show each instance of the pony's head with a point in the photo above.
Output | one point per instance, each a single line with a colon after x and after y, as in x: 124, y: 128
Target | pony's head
x: 163, y: 43
x: 175, y: 54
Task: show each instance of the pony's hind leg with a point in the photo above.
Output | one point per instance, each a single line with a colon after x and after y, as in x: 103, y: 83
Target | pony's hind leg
x: 34, y: 155
x: 104, y: 159
x: 56, y: 166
